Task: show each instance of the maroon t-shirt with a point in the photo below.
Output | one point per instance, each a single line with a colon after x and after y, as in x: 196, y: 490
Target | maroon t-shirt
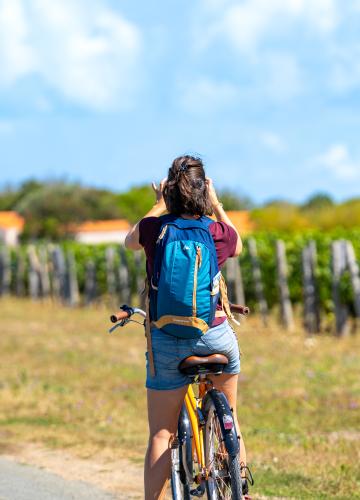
x: 224, y: 236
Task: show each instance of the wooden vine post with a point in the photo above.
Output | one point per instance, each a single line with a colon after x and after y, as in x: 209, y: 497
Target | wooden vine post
x: 124, y: 278
x: 5, y: 271
x: 355, y: 279
x: 338, y: 261
x: 90, y: 282
x: 34, y: 276
x: 234, y: 281
x: 310, y: 292
x: 110, y: 271
x: 44, y: 272
x: 286, y: 311
x: 258, y: 284
x: 20, y: 274
x: 58, y: 273
x: 72, y: 286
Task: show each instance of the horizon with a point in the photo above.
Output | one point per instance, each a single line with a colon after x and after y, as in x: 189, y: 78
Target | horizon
x: 226, y: 189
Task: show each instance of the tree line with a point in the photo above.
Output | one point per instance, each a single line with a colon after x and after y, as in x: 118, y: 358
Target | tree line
x: 50, y: 208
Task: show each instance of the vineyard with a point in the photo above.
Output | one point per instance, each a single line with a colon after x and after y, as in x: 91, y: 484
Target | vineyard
x: 79, y: 274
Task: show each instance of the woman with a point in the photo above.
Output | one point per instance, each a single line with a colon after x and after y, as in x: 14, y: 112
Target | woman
x: 189, y: 194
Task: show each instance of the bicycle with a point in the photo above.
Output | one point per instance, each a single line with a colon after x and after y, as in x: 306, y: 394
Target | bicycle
x: 205, y: 452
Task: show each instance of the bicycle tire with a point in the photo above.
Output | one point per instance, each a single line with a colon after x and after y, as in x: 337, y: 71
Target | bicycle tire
x: 179, y: 490
x: 221, y: 459
x: 181, y: 459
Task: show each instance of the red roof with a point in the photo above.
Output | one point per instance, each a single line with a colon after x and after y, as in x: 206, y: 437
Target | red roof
x: 10, y: 220
x: 101, y: 226
x: 241, y: 220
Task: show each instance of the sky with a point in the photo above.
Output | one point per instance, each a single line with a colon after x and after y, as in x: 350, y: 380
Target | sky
x: 109, y: 92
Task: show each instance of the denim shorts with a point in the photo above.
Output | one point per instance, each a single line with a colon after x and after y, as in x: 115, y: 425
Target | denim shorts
x: 169, y: 351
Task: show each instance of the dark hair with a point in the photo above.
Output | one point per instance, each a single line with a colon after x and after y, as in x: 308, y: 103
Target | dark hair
x: 185, y: 191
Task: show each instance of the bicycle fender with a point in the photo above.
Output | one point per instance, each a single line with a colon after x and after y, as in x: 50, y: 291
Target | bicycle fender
x: 184, y: 426
x: 185, y: 436
x: 224, y: 413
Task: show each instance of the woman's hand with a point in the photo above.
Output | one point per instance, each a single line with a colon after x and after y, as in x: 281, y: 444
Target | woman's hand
x: 132, y: 238
x: 212, y: 193
x: 221, y: 215
x: 159, y: 192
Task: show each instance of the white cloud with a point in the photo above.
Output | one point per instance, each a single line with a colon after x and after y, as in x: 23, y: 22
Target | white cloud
x: 278, y: 79
x: 247, y: 24
x: 271, y: 40
x: 85, y: 51
x: 273, y: 142
x: 254, y: 30
x: 205, y: 95
x: 16, y: 55
x: 337, y: 161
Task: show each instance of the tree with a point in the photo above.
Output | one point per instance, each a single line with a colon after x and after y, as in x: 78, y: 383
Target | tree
x: 50, y: 210
x: 231, y: 200
x: 10, y: 196
x: 280, y: 216
x: 318, y: 201
x: 136, y: 202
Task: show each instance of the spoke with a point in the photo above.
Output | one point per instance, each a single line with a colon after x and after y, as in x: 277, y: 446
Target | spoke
x: 218, y: 460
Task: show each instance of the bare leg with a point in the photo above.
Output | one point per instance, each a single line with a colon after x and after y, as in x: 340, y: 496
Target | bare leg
x: 227, y: 384
x: 163, y: 412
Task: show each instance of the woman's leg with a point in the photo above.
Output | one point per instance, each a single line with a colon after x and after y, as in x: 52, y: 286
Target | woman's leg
x: 227, y: 383
x: 163, y: 413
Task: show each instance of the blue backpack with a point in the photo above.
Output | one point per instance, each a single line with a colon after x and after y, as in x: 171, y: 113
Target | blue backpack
x: 185, y: 285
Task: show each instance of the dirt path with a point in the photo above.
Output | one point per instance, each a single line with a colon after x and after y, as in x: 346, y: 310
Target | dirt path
x: 121, y: 477
x: 26, y: 482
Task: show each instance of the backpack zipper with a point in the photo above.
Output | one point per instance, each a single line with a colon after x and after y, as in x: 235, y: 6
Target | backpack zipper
x: 198, y: 260
x: 162, y: 234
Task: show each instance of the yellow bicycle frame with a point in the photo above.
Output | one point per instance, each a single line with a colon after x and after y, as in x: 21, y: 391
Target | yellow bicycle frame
x: 192, y: 404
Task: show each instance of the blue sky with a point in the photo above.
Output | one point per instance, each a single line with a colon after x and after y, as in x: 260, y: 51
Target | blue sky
x: 109, y: 92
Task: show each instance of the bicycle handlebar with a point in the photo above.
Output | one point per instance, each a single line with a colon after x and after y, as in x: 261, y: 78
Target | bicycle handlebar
x: 239, y: 309
x: 114, y: 318
x: 126, y: 312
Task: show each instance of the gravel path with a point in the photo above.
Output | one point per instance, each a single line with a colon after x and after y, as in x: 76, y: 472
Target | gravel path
x: 32, y: 472
x: 25, y: 482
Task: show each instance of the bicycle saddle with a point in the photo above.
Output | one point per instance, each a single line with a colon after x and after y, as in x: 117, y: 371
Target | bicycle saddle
x: 200, y: 365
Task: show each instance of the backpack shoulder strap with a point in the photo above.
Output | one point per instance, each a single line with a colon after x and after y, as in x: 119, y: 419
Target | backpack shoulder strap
x: 148, y: 329
x: 166, y: 218
x: 207, y: 221
x: 224, y: 298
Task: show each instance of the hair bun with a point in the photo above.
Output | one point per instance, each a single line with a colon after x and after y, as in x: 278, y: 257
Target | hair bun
x: 185, y: 191
x: 198, y: 184
x: 183, y: 167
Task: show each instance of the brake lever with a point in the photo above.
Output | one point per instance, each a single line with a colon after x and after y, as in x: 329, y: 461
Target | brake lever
x: 119, y: 325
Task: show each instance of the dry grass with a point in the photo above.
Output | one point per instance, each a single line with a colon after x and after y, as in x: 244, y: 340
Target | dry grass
x: 66, y: 383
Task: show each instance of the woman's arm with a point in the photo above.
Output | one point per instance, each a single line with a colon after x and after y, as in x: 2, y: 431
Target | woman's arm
x: 221, y: 215
x: 132, y: 238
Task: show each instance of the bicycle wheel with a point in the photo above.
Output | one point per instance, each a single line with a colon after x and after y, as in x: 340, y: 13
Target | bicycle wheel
x: 225, y: 476
x: 180, y: 489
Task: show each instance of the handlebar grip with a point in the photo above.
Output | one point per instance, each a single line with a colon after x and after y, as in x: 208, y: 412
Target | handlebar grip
x: 239, y: 309
x: 114, y: 318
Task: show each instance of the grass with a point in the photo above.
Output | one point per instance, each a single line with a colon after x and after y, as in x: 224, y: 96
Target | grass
x: 66, y: 383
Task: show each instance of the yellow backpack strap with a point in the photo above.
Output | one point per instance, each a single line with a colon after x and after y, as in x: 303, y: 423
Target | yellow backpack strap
x: 148, y: 329
x: 224, y: 298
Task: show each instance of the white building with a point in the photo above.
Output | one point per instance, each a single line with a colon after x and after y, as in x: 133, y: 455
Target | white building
x: 11, y: 226
x: 102, y: 231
